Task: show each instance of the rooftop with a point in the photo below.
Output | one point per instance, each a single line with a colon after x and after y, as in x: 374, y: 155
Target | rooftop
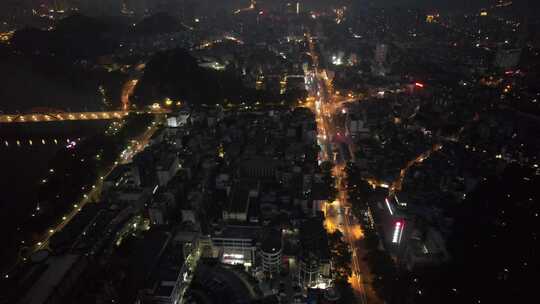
x: 272, y: 242
x: 238, y: 232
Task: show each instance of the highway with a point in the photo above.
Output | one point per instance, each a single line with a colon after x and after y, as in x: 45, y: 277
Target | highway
x: 325, y: 103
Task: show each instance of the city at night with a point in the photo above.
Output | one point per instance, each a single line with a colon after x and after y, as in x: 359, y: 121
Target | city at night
x: 269, y: 151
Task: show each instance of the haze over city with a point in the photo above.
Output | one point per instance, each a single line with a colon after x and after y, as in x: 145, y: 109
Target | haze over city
x: 269, y: 151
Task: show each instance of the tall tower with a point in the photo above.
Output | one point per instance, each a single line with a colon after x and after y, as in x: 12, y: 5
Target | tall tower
x: 271, y: 249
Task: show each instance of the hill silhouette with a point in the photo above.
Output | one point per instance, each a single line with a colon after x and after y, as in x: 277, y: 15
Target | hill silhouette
x: 176, y: 74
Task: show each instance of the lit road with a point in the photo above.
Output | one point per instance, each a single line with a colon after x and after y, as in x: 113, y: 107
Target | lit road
x: 325, y: 103
x: 93, y: 193
x: 127, y: 92
x: 209, y: 44
x: 136, y: 146
x: 70, y: 116
x: 44, y: 117
x: 396, y: 185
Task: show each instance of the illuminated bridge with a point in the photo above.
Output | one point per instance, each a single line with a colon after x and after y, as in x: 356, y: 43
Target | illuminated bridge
x: 61, y: 116
x: 71, y: 116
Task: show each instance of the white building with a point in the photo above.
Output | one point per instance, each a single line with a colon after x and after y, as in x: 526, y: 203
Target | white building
x: 236, y: 244
x: 179, y: 120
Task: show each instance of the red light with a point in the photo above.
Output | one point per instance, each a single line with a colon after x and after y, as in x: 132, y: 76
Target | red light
x: 419, y: 84
x: 509, y: 72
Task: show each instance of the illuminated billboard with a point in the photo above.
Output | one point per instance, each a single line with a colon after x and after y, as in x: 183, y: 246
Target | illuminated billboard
x: 398, y: 232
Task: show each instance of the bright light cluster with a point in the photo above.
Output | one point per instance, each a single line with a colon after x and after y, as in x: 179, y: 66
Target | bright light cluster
x: 398, y: 231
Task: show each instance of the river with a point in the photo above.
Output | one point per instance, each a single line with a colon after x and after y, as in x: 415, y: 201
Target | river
x: 25, y: 151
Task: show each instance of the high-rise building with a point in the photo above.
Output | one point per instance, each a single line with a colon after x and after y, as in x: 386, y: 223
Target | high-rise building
x: 271, y: 253
x: 314, y: 259
x: 309, y: 270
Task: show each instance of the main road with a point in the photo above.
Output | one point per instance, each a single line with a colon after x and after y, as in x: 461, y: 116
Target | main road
x: 135, y: 146
x: 325, y: 103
